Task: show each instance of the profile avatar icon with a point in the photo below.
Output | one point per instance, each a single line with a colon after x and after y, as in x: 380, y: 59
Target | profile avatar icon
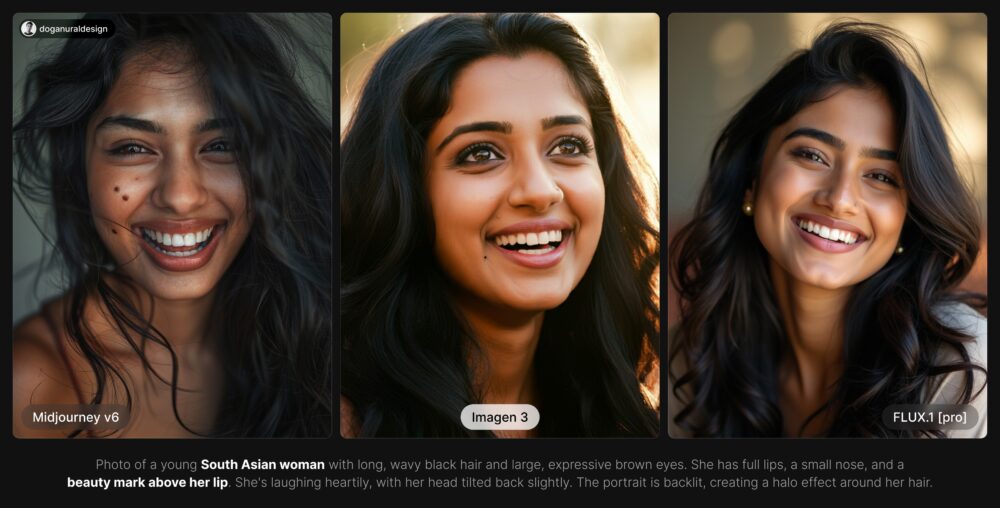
x: 28, y: 28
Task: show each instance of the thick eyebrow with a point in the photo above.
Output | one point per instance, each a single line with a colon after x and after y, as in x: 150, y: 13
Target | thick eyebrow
x: 822, y: 136
x: 556, y: 121
x: 839, y: 144
x: 503, y: 127
x: 130, y: 122
x: 213, y: 124
x: 879, y: 153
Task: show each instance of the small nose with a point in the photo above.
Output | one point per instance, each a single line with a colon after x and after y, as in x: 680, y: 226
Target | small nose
x: 840, y: 192
x: 534, y: 185
x: 180, y: 187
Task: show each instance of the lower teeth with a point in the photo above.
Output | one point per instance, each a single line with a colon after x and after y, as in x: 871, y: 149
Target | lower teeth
x: 543, y: 250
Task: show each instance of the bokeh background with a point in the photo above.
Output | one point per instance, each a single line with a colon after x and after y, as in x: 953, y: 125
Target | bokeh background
x: 716, y: 61
x: 34, y: 280
x: 627, y: 47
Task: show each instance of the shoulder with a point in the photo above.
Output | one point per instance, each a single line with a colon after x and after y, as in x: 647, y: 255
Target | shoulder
x: 41, y: 373
x: 965, y: 319
x: 350, y: 427
x: 948, y: 388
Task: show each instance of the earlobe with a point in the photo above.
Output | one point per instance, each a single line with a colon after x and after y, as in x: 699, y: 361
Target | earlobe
x: 748, y: 203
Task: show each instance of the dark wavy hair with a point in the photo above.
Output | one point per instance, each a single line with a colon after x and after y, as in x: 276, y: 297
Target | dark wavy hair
x: 731, y: 336
x: 275, y: 334
x: 406, y: 366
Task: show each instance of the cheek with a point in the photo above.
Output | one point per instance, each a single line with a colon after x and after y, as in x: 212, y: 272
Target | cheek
x: 781, y: 186
x: 227, y: 187
x: 114, y: 195
x: 585, y: 195
x: 461, y: 206
x: 888, y: 217
x: 887, y: 212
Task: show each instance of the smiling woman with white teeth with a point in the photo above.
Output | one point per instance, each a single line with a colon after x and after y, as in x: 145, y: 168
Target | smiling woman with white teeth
x: 496, y: 246
x: 817, y: 280
x: 196, y: 241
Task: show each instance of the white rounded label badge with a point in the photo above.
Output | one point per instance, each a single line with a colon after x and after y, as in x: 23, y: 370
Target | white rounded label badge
x: 500, y: 417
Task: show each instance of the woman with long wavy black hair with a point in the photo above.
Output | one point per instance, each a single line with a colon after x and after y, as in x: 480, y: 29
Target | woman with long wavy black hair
x: 495, y: 241
x: 190, y: 178
x: 817, y: 278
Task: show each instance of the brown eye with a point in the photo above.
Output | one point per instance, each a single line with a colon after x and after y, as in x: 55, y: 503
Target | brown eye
x: 478, y: 153
x: 810, y: 155
x: 129, y: 150
x: 570, y: 146
x: 884, y: 178
x: 567, y: 148
x: 481, y: 155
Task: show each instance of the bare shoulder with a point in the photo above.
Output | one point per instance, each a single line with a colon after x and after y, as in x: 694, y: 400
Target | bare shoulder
x: 349, y: 425
x: 951, y: 388
x: 966, y: 320
x: 40, y: 372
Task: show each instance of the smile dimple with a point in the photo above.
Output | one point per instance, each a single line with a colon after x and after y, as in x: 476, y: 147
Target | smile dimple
x: 828, y: 233
x: 178, y: 244
x: 534, y: 243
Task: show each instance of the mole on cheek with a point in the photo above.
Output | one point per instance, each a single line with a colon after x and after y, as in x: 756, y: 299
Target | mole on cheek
x: 114, y: 232
x: 125, y: 197
x: 116, y: 188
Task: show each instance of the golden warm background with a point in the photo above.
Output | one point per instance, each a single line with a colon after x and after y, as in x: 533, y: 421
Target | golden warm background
x: 715, y: 61
x: 627, y: 46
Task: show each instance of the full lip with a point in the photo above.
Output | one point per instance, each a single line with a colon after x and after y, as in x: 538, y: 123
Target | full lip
x: 823, y: 244
x: 181, y: 227
x: 546, y: 260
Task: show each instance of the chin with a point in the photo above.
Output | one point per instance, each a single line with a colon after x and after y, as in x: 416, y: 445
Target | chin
x: 175, y: 290
x: 826, y: 280
x: 538, y: 301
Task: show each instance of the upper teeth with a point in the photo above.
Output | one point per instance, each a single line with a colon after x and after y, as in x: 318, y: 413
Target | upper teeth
x: 836, y: 235
x: 530, y: 239
x: 177, y: 239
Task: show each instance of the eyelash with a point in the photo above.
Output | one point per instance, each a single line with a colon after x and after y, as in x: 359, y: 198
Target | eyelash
x: 814, y: 156
x: 460, y: 158
x: 126, y: 149
x: 888, y: 179
x: 123, y: 150
x: 228, y: 146
x: 810, y: 155
x: 583, y: 146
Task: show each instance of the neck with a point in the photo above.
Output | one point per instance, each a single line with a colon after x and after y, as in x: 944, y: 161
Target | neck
x: 508, y: 341
x: 186, y: 324
x: 813, y: 319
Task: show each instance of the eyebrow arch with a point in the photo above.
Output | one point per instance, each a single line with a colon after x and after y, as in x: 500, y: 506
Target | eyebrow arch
x: 502, y: 127
x: 212, y: 124
x: 131, y: 122
x: 839, y: 144
x: 556, y: 121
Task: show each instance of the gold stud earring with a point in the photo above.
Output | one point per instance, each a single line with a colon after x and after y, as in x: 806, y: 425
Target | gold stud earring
x: 747, y: 208
x: 899, y: 249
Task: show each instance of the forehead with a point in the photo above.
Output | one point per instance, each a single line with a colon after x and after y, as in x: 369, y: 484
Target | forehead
x: 861, y: 116
x: 524, y: 88
x: 154, y: 86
